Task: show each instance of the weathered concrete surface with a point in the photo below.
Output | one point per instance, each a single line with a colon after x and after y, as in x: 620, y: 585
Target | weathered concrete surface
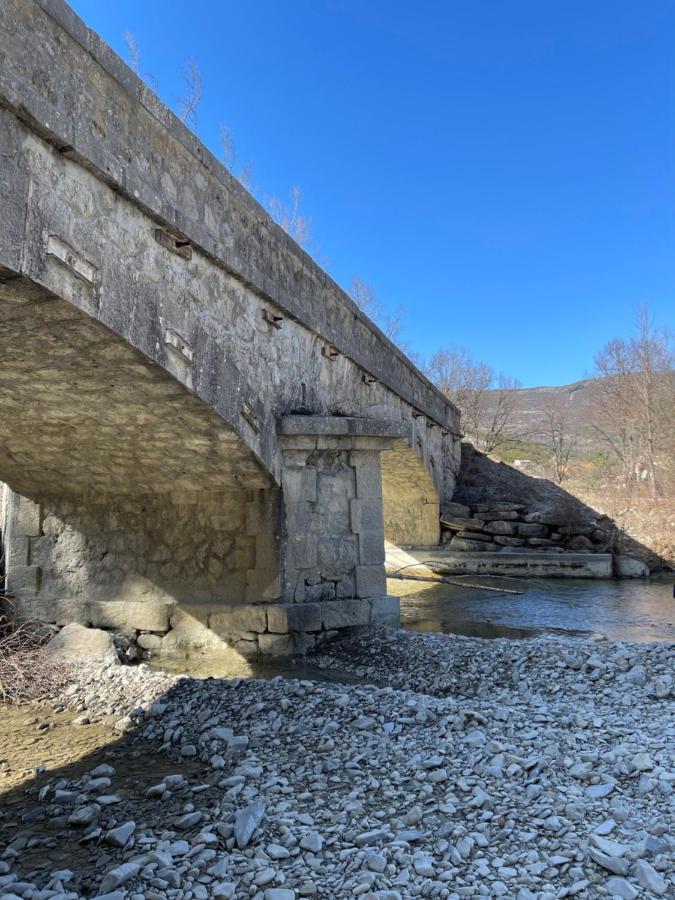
x: 530, y: 564
x: 155, y: 327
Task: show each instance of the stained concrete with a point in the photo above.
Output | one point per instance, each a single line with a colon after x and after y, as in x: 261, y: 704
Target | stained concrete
x: 530, y: 564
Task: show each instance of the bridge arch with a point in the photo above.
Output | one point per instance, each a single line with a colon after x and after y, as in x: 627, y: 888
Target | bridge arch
x: 410, y: 498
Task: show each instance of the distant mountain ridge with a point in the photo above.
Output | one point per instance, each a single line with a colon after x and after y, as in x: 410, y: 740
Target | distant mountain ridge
x: 528, y: 418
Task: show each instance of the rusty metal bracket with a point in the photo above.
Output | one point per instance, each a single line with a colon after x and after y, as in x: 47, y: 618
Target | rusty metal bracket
x: 276, y: 321
x: 180, y: 246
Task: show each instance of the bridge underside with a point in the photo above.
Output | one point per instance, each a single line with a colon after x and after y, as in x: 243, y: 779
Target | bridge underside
x: 85, y: 412
x: 134, y: 506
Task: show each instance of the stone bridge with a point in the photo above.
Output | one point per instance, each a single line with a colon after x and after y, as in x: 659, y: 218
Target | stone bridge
x: 201, y: 433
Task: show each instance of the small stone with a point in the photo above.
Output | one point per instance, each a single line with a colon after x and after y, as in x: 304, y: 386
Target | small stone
x: 85, y: 815
x: 118, y: 876
x: 649, y: 878
x: 376, y: 862
x: 264, y: 876
x: 599, y: 791
x: 423, y: 865
x: 312, y: 842
x: 120, y: 836
x: 370, y: 837
x: 246, y: 822
x: 637, y: 675
x: 189, y: 820
x: 619, y: 887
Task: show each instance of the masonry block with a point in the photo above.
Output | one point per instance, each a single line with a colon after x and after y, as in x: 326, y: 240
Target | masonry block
x: 367, y: 515
x: 284, y: 645
x: 276, y: 645
x: 368, y: 475
x: 370, y: 581
x: 303, y: 550
x: 337, y: 553
x: 130, y: 615
x: 371, y: 548
x: 299, y: 484
x: 237, y: 619
x: 23, y: 580
x: 345, y: 613
x: 385, y: 611
x: 72, y: 610
x: 17, y: 551
x: 28, y: 609
x: 263, y: 584
x: 266, y: 552
x: 322, y: 591
x: 285, y: 617
x: 247, y: 649
x: 24, y: 515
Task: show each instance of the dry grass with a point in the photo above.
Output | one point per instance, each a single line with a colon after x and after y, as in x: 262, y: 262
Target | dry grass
x: 27, y: 672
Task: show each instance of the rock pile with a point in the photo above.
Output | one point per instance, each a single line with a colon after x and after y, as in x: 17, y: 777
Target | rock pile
x: 533, y: 770
x: 510, y: 527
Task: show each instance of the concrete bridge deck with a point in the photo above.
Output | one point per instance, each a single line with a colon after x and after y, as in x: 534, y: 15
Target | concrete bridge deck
x: 198, y: 424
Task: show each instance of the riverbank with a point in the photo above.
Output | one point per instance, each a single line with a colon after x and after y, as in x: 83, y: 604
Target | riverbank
x: 457, y: 767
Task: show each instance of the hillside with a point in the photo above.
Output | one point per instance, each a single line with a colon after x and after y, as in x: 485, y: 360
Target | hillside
x: 531, y: 404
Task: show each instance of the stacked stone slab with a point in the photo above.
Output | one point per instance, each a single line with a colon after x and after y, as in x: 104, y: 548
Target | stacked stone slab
x: 510, y: 527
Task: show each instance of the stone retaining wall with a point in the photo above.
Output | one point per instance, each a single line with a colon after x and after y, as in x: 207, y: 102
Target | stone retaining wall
x: 510, y: 527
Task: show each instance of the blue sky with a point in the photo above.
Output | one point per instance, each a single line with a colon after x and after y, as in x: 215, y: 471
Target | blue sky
x: 503, y: 169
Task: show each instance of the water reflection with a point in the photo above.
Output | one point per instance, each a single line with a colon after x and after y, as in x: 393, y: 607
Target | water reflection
x: 635, y: 610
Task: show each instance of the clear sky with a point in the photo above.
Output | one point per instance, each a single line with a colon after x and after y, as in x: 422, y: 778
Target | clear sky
x: 503, y: 169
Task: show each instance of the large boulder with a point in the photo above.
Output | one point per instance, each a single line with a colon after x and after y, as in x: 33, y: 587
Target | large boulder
x: 77, y: 643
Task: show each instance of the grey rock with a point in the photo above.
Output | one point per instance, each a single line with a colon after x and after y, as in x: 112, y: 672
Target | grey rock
x: 120, y: 835
x: 247, y: 821
x: 647, y: 876
x: 619, y: 887
x: 119, y: 875
x: 312, y: 842
x: 75, y: 642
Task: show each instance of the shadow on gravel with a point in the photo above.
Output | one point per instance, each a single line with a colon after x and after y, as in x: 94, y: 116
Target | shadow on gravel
x: 44, y: 842
x: 39, y: 835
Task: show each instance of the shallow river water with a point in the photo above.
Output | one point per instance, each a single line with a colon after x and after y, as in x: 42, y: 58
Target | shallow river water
x: 634, y: 610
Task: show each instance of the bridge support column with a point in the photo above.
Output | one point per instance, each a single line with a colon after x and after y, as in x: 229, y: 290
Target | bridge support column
x: 333, y: 523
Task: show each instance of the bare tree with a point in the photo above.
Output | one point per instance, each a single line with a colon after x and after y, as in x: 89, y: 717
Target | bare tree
x: 245, y: 175
x: 135, y: 61
x: 634, y: 404
x: 289, y: 217
x: 192, y: 95
x: 559, y: 437
x: 363, y: 294
x: 485, y: 398
x: 229, y: 152
x: 134, y: 52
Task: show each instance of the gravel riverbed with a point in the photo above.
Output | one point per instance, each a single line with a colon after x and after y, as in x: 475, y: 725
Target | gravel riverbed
x: 456, y: 767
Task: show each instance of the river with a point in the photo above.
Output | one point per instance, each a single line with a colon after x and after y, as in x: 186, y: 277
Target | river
x: 629, y: 609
